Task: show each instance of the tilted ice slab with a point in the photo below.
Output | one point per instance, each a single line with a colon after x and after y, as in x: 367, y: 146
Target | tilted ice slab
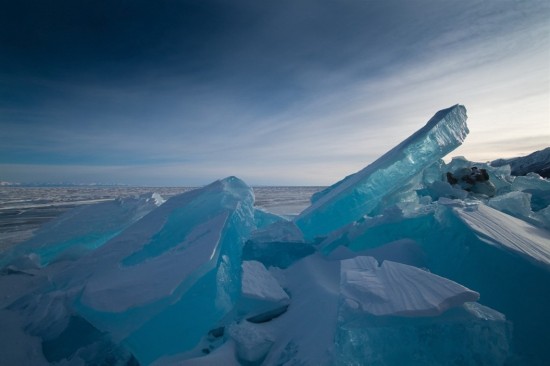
x: 394, y: 314
x: 83, y: 229
x: 260, y: 290
x: 168, y: 279
x: 486, y: 250
x: 259, y: 284
x: 360, y: 193
x: 398, y: 289
x: 509, y: 233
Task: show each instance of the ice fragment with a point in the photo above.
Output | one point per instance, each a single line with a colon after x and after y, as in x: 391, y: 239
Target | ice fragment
x: 360, y: 193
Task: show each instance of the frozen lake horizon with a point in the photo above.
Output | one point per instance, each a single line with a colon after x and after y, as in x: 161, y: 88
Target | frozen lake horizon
x: 25, y: 209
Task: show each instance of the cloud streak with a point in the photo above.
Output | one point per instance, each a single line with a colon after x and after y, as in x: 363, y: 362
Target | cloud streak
x: 279, y: 93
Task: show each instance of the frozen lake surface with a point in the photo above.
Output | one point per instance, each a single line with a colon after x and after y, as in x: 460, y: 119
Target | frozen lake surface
x: 24, y: 209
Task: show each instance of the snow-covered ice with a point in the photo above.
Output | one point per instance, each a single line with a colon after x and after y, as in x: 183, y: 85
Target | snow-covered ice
x: 409, y: 261
x: 183, y: 258
x: 398, y: 289
x: 508, y: 232
x: 260, y: 291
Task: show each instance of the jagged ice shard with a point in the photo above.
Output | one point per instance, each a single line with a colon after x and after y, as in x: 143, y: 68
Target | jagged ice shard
x: 360, y: 194
x: 165, y: 281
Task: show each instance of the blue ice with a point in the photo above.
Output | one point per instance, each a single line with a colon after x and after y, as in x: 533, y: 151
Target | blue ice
x: 396, y: 262
x: 359, y: 194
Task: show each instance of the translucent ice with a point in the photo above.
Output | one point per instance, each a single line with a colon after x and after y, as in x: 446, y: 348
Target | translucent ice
x: 361, y: 193
x: 280, y: 231
x: 503, y: 258
x: 468, y: 335
x: 83, y: 229
x: 168, y: 279
x: 279, y: 245
x: 517, y: 204
x: 429, y: 317
x: 263, y: 218
x: 537, y: 187
x: 382, y: 275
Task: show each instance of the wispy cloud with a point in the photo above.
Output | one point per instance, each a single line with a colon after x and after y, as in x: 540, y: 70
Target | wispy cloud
x: 290, y: 93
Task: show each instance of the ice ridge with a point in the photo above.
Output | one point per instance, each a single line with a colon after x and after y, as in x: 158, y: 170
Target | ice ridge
x: 359, y: 194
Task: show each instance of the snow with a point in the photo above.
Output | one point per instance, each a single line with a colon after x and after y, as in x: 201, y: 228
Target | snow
x: 252, y: 343
x: 508, y: 232
x: 261, y: 294
x: 118, y: 288
x: 258, y: 283
x: 406, y: 251
x: 400, y: 262
x: 398, y: 289
x: 305, y: 333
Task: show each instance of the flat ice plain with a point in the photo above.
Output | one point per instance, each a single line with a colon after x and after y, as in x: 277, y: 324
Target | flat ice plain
x: 410, y: 261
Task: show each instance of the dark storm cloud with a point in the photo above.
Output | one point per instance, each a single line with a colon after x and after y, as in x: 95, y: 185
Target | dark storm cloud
x: 69, y: 37
x: 131, y: 41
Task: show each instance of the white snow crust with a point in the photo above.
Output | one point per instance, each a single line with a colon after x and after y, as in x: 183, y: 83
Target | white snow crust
x: 508, y: 232
x: 258, y: 283
x: 398, y: 289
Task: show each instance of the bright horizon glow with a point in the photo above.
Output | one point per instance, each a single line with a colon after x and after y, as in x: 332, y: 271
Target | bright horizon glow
x: 280, y: 94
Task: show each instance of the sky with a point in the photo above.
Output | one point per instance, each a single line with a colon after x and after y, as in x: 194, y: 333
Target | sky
x: 287, y: 92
